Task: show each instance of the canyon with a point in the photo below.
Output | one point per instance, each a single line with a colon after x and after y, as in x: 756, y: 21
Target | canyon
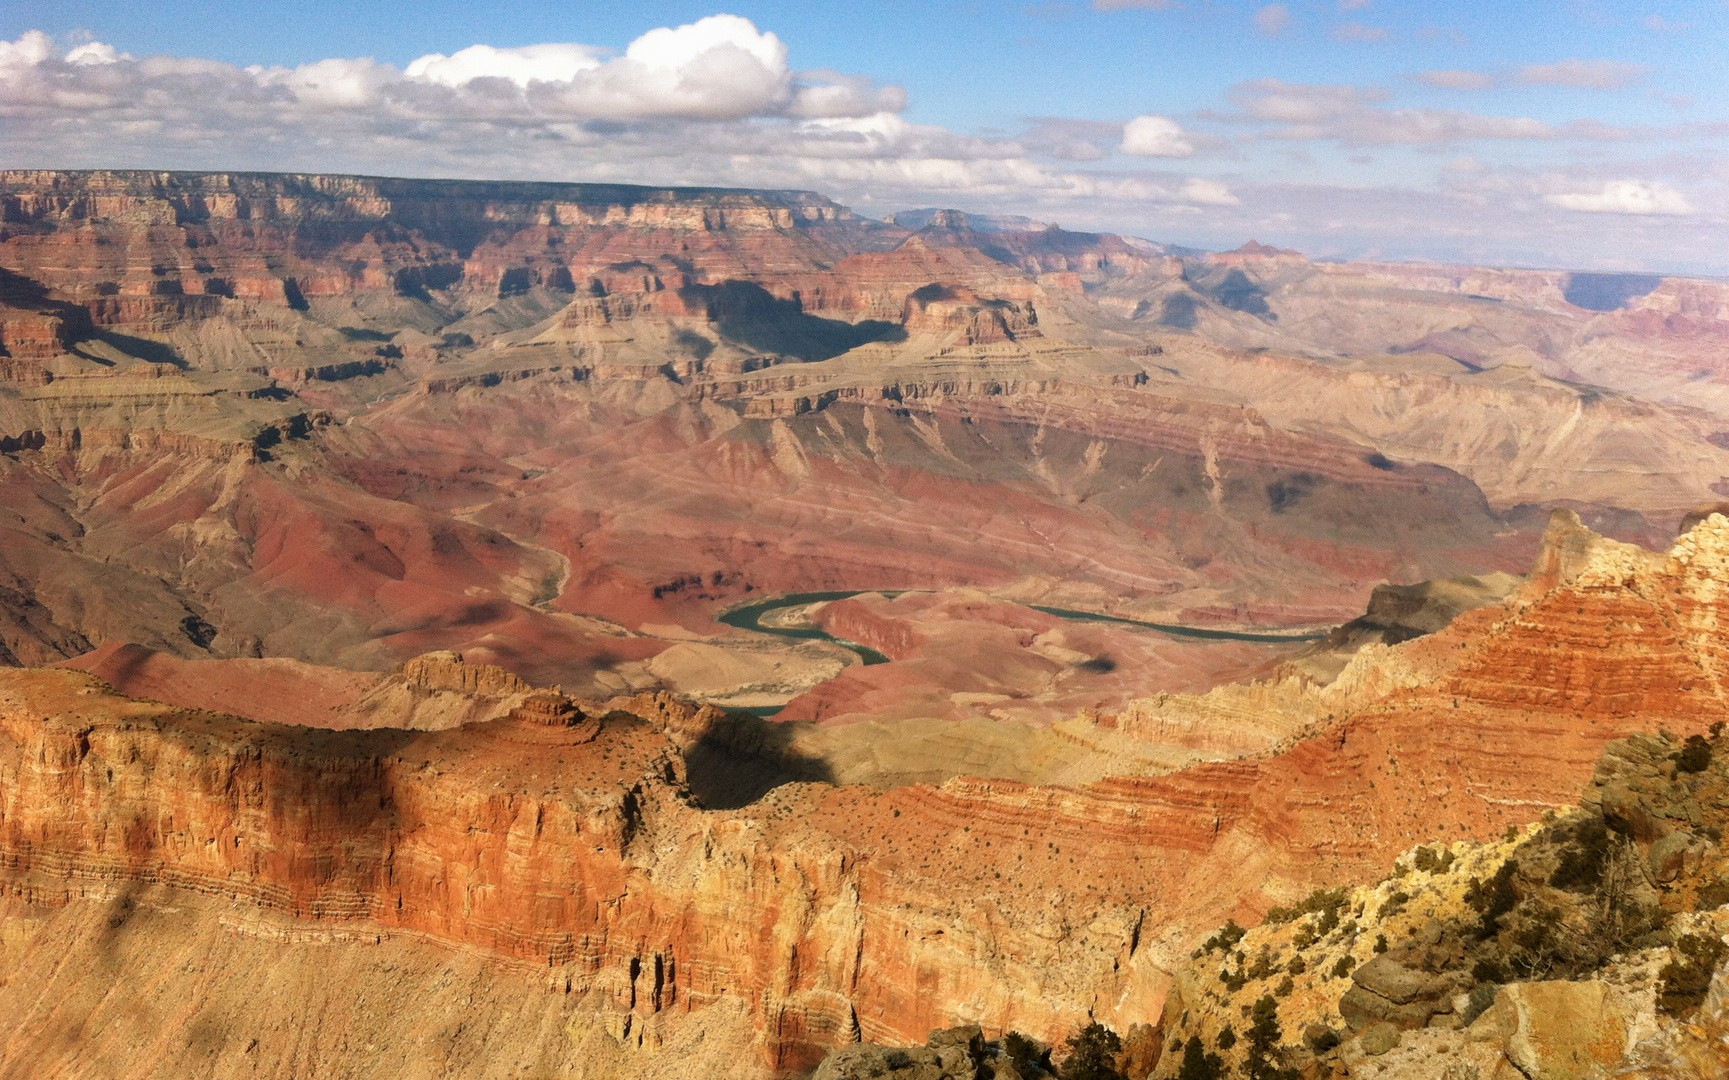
x: 371, y: 551
x: 554, y: 843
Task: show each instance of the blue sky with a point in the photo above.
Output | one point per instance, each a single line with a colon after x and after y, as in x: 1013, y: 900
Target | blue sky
x: 1527, y: 133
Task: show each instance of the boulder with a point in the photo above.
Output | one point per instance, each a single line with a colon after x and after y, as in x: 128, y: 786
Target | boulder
x: 950, y: 1054
x: 1669, y: 854
x: 1361, y: 1007
x: 1392, y: 980
x: 1625, y: 812
x: 1556, y: 1030
x: 1378, y: 1039
x: 868, y: 1061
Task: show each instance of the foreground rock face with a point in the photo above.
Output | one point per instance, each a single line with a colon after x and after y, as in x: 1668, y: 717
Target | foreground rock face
x: 560, y: 834
x: 1586, y: 946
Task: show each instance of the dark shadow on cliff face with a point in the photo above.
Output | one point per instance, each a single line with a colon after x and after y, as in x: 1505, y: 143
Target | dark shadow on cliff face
x: 1179, y: 311
x: 1607, y: 292
x: 1238, y: 293
x: 751, y: 315
x: 741, y: 758
x: 151, y: 352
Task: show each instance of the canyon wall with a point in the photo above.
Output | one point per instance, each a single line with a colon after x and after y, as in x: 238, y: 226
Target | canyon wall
x: 561, y: 834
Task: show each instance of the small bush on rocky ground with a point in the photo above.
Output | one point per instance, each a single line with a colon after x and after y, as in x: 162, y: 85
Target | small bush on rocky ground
x: 1224, y: 940
x: 1197, y: 1064
x: 1687, y: 976
x: 1261, y: 1060
x: 1695, y: 755
x: 1326, y: 902
x: 1265, y: 964
x: 1581, y: 865
x: 1433, y: 860
x: 1030, y: 1057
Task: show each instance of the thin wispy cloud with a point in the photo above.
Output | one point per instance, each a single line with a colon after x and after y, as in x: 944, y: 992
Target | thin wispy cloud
x: 1358, y: 33
x: 1273, y: 20
x: 1585, y: 74
x: 1457, y: 80
x: 1355, y: 115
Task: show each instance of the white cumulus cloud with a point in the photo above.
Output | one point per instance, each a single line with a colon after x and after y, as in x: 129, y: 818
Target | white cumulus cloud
x: 558, y: 62
x: 1156, y: 136
x: 95, y: 52
x: 1626, y: 197
x: 1209, y: 192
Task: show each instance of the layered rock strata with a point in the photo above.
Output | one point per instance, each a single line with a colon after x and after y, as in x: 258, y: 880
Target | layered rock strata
x: 564, y: 838
x: 1588, y: 945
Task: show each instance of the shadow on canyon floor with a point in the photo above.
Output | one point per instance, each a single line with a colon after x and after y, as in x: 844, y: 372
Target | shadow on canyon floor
x: 744, y: 758
x: 751, y: 315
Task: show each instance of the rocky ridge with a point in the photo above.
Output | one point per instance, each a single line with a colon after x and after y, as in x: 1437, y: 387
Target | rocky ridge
x: 1587, y: 945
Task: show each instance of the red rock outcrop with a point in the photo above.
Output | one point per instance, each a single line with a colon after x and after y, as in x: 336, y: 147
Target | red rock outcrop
x: 835, y: 910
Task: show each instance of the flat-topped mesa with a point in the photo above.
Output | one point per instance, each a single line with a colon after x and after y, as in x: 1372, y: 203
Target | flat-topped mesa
x: 551, y: 710
x: 447, y: 671
x: 148, y: 251
x: 176, y: 198
x: 438, y: 690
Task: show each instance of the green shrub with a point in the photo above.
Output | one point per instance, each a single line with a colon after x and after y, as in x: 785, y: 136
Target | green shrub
x: 1695, y: 755
x: 1325, y: 902
x: 1027, y: 1055
x: 1488, y: 971
x: 1198, y: 1064
x: 1714, y: 895
x: 1495, y: 899
x: 1482, y: 996
x: 1263, y: 965
x: 1093, y: 1054
x: 1264, y: 1036
x: 1225, y: 939
x: 1343, y: 967
x: 1433, y: 860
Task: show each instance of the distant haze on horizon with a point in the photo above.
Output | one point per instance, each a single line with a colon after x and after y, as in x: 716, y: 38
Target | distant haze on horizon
x: 1570, y: 133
